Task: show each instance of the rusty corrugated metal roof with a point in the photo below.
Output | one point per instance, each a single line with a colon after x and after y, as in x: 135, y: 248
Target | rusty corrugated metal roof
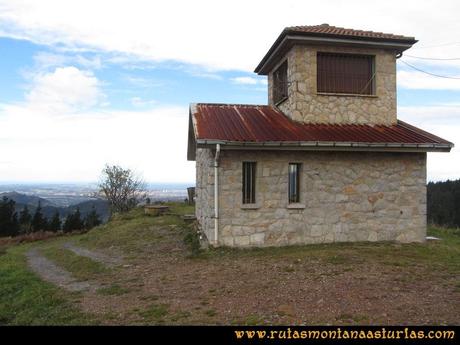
x: 264, y: 124
x: 326, y: 29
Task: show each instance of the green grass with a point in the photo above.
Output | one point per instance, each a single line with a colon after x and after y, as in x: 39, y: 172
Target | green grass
x: 181, y: 208
x: 131, y: 233
x: 27, y: 300
x: 155, y: 312
x: 210, y: 312
x: 180, y: 316
x: 250, y: 320
x: 80, y: 267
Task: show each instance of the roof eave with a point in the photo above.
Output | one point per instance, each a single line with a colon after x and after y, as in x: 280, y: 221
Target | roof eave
x: 328, y: 146
x: 286, y: 40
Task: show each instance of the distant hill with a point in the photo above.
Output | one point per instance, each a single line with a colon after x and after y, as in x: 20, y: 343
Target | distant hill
x: 102, y: 209
x: 24, y: 199
x: 49, y: 209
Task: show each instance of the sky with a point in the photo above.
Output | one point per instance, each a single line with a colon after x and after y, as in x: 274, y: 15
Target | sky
x: 85, y: 83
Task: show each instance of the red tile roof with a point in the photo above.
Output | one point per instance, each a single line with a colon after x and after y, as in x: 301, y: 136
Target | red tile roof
x: 262, y: 124
x: 324, y: 33
x: 329, y: 30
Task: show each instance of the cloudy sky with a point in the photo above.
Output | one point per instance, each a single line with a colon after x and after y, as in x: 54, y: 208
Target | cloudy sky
x: 84, y: 83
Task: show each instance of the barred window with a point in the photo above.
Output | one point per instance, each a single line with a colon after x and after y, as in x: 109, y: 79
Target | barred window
x: 345, y: 73
x: 249, y: 182
x: 280, y: 83
x: 294, y: 179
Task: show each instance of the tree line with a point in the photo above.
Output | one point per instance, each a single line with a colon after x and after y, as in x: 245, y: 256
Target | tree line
x: 120, y: 187
x: 14, y: 224
x: 443, y: 203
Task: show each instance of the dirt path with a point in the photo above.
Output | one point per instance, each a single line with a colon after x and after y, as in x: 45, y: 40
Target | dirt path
x: 54, y: 274
x: 93, y: 255
x: 293, y: 288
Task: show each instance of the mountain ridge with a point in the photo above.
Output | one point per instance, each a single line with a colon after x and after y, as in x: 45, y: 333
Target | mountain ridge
x: 49, y: 208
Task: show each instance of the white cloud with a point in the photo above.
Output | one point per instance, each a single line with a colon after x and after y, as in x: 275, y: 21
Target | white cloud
x: 443, y: 121
x: 212, y: 35
x: 261, y: 84
x: 138, y: 102
x: 62, y: 132
x: 46, y: 60
x: 245, y: 80
x: 142, y: 82
x: 422, y: 81
x: 66, y: 89
x: 440, y: 114
x: 251, y: 81
x: 215, y: 34
x: 40, y: 147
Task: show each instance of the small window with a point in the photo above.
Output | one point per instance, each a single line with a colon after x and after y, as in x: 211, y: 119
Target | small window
x: 294, y: 178
x: 249, y: 182
x: 280, y: 83
x: 345, y: 73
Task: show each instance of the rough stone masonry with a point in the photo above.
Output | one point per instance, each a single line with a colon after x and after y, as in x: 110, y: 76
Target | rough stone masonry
x: 364, y: 189
x: 345, y: 196
x: 304, y: 104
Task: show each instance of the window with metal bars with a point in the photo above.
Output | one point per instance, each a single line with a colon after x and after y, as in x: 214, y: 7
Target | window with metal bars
x: 346, y: 73
x: 280, y: 83
x: 249, y: 182
x: 294, y: 182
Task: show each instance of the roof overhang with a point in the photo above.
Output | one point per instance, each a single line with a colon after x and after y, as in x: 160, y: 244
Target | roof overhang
x: 287, y: 40
x: 325, y: 146
x: 229, y: 126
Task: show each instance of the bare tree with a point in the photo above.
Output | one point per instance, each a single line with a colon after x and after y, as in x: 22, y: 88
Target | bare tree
x: 120, y: 187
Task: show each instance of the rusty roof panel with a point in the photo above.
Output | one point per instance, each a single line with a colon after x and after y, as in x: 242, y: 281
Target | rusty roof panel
x: 264, y: 124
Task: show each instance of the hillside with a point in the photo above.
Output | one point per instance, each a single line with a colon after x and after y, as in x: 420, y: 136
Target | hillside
x: 23, y: 199
x: 140, y: 269
x: 49, y: 209
x: 102, y: 209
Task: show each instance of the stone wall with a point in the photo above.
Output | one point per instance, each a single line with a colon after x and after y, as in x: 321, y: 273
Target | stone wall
x: 305, y: 105
x: 345, y: 196
x: 204, y: 190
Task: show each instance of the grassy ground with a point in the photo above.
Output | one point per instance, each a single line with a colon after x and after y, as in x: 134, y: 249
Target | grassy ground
x: 163, y: 281
x: 27, y: 300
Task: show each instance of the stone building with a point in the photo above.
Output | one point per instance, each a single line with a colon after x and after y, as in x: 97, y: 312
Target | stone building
x: 326, y: 160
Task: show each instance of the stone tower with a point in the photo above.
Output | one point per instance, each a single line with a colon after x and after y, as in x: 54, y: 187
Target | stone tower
x: 319, y: 74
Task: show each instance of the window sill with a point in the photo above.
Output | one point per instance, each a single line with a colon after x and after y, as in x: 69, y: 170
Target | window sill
x: 345, y: 94
x: 295, y: 206
x: 282, y: 100
x: 250, y: 206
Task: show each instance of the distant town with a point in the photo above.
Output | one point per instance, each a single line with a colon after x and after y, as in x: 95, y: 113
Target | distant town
x: 68, y: 194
